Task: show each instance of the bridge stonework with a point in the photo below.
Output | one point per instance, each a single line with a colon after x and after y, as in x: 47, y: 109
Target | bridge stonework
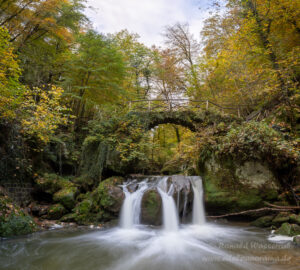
x: 192, y: 120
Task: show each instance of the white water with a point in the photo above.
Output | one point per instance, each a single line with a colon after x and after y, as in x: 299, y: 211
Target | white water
x: 131, y: 208
x: 198, y: 209
x: 170, y: 214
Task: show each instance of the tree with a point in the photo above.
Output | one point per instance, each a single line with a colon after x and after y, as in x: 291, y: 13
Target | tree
x: 248, y: 54
x: 139, y: 64
x: 186, y: 48
x: 10, y: 89
x: 94, y: 73
x: 169, y: 80
x: 42, y: 32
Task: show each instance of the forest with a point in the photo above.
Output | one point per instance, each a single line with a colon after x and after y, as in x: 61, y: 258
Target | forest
x: 81, y: 110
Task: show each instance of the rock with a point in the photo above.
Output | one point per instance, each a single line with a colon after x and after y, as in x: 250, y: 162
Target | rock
x: 151, y: 212
x: 263, y: 222
x: 38, y: 210
x: 280, y: 219
x: 255, y: 175
x: 71, y: 217
x: 233, y: 187
x: 56, y: 211
x: 13, y: 220
x: 49, y: 183
x: 109, y: 195
x: 295, y: 219
x: 66, y: 197
x: 183, y: 193
x: 288, y: 229
x: 84, y: 182
x: 296, y: 240
x: 83, y: 212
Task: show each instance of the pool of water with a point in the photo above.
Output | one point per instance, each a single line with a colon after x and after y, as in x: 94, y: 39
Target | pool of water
x: 210, y: 246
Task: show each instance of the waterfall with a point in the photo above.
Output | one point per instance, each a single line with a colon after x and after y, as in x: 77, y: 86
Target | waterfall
x: 198, y: 209
x: 131, y: 208
x: 170, y: 213
x: 167, y: 187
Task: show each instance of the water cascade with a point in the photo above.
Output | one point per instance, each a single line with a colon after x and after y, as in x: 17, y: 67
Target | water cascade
x: 198, y: 209
x: 170, y: 214
x: 169, y: 188
x: 131, y: 209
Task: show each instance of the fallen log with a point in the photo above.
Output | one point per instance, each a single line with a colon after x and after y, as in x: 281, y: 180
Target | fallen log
x: 264, y: 209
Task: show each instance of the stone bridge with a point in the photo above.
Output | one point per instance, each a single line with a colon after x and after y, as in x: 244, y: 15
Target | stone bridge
x: 190, y: 119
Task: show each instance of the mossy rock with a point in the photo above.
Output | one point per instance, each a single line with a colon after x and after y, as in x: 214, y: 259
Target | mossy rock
x: 66, y: 197
x: 71, y: 217
x: 13, y: 220
x: 295, y: 219
x: 281, y: 218
x: 56, y: 211
x: 84, y: 182
x: 228, y: 187
x: 83, y: 212
x: 263, y: 222
x: 51, y: 183
x: 48, y: 183
x: 296, y: 240
x: 288, y: 229
x: 109, y: 195
x: 151, y: 212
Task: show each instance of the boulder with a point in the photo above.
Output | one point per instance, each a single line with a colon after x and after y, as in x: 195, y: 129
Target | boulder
x: 56, y: 211
x: 288, y: 229
x: 263, y: 222
x: 109, y: 195
x: 83, y: 212
x: 296, y: 240
x: 38, y: 210
x: 295, y: 219
x: 231, y: 186
x: 151, y: 212
x: 66, y: 197
x: 49, y: 183
x: 280, y: 219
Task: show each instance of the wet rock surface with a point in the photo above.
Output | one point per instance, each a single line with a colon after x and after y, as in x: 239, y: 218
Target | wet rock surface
x: 151, y: 213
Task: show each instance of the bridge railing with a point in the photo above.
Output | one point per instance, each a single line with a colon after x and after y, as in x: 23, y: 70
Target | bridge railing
x: 179, y: 105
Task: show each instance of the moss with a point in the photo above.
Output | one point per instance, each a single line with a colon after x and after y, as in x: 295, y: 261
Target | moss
x: 56, y: 211
x: 288, y: 229
x: 280, y: 218
x: 263, y: 222
x: 71, y: 217
x: 294, y: 219
x: 66, y: 197
x: 249, y: 200
x: 105, y: 199
x: 83, y: 212
x: 85, y: 182
x: 13, y: 220
x: 48, y: 183
x: 151, y: 208
x: 51, y: 183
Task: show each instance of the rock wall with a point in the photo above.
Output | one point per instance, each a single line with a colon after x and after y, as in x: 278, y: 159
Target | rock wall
x: 231, y: 186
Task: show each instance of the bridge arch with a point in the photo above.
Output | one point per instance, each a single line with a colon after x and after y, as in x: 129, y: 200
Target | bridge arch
x: 193, y: 120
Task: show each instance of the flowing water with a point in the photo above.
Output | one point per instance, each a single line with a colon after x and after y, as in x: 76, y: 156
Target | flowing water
x: 131, y: 209
x: 133, y: 246
x: 198, y: 208
x: 170, y: 214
